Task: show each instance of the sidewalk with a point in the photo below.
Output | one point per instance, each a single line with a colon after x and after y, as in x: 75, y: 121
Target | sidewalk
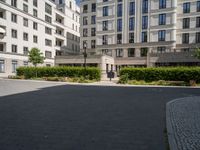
x: 183, y: 123
x: 112, y: 83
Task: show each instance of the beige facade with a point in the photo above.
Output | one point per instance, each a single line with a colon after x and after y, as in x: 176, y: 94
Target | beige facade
x: 51, y: 26
x: 133, y: 31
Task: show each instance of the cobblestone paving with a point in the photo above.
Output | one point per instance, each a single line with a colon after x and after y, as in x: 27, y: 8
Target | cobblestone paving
x: 184, y: 117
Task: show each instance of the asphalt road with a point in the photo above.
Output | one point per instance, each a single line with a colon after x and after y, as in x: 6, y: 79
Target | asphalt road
x: 72, y: 117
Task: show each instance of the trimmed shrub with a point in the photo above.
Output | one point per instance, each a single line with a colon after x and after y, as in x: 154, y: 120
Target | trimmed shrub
x: 123, y: 79
x: 164, y: 73
x: 39, y: 72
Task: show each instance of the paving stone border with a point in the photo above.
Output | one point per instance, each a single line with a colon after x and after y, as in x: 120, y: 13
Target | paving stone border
x: 183, y: 123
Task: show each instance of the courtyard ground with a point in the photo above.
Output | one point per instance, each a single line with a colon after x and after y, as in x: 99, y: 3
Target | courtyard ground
x: 57, y: 116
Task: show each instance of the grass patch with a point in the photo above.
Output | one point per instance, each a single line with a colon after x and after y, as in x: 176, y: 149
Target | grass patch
x: 58, y: 79
x: 160, y: 82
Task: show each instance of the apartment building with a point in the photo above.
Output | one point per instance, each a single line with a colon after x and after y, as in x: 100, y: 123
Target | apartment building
x: 50, y: 25
x: 141, y: 33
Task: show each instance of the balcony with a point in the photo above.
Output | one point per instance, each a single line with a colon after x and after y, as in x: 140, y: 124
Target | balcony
x: 3, y: 16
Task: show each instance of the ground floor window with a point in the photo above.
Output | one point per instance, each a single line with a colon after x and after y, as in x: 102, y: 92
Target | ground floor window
x: 174, y: 64
x: 131, y: 52
x: 119, y: 53
x: 25, y: 63
x: 2, y: 66
x: 14, y: 66
x: 144, y: 52
x: 161, y: 49
x: 185, y: 50
x: 107, y: 52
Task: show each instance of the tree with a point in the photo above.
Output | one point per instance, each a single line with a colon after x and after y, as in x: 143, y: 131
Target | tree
x: 197, y: 53
x: 35, y: 56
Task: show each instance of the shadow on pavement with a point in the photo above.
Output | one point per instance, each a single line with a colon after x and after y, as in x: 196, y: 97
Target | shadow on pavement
x: 86, y: 118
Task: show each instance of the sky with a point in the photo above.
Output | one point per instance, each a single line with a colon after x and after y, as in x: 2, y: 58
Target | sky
x: 78, y: 1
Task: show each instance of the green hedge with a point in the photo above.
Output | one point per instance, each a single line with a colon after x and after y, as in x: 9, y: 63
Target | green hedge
x: 164, y: 73
x: 32, y: 72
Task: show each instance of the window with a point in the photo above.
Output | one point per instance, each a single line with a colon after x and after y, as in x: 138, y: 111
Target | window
x: 14, y: 48
x: 35, y: 3
x: 70, y: 5
x: 85, y: 20
x: 2, y: 47
x: 2, y: 66
x: 93, y: 19
x: 161, y: 49
x: 119, y: 25
x: 198, y: 6
x: 119, y: 38
x: 48, y: 19
x: 25, y: 51
x: 105, y: 11
x: 48, y: 42
x: 185, y: 38
x: 48, y: 54
x: 48, y: 30
x: 14, y: 33
x: 132, y: 8
x: 119, y: 10
x: 35, y: 13
x: 131, y: 23
x: 93, y: 7
x: 84, y: 44
x: 85, y: 32
x: 35, y: 39
x: 85, y: 8
x: 93, y: 43
x: 144, y: 52
x: 104, y: 39
x: 25, y: 8
x: 185, y: 49
x: 14, y: 18
x: 162, y: 4
x: 25, y: 22
x: 93, y: 31
x: 144, y: 22
x: 14, y: 66
x: 197, y: 22
x: 198, y: 37
x: 35, y: 26
x: 25, y: 63
x: 144, y: 36
x: 186, y: 23
x: 106, y: 52
x: 145, y: 6
x: 119, y: 53
x: 131, y: 52
x: 161, y: 35
x: 14, y: 3
x: 162, y: 19
x: 48, y: 8
x: 131, y: 37
x: 186, y: 7
x: 25, y: 36
x: 105, y: 25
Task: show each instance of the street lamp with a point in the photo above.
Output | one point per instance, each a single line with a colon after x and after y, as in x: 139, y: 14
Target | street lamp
x: 85, y: 57
x: 85, y: 54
